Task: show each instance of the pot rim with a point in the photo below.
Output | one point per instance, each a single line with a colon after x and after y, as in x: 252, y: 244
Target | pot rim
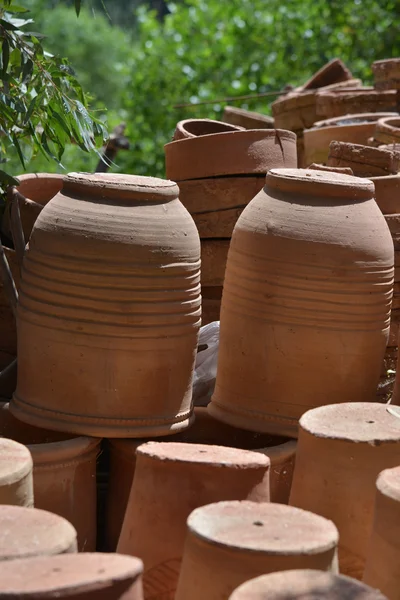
x: 362, y: 118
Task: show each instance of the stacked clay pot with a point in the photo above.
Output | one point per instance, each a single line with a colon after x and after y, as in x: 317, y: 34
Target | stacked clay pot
x: 109, y: 310
x: 387, y: 74
x: 305, y: 315
x: 246, y: 118
x: 345, y: 101
x: 218, y: 174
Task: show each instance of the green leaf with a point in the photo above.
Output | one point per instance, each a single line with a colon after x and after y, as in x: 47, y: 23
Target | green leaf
x: 78, y: 7
x: 5, y: 55
x: 17, y: 9
x: 18, y: 149
x: 8, y: 179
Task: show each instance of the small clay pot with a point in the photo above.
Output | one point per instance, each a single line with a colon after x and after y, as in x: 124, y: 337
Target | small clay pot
x: 363, y: 160
x: 333, y: 72
x: 387, y: 74
x: 214, y: 254
x: 341, y: 450
x: 229, y: 543
x: 205, y: 430
x: 210, y: 304
x: 191, y: 128
x: 154, y: 526
x: 64, y: 473
x: 16, y: 484
x: 357, y: 129
x: 334, y: 103
x: 247, y: 119
x: 305, y: 584
x: 73, y: 577
x: 27, y: 532
x: 387, y: 130
x: 233, y: 153
x: 383, y: 555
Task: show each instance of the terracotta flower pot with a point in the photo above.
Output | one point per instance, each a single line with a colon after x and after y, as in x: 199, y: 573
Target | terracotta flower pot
x: 64, y: 473
x: 37, y: 189
x: 341, y: 450
x: 335, y: 103
x: 306, y: 306
x: 210, y: 304
x: 234, y: 153
x: 205, y: 430
x: 73, y: 576
x: 364, y: 160
x: 110, y: 302
x: 8, y: 330
x: 27, y: 532
x: 313, y: 585
x: 387, y: 130
x: 154, y: 527
x: 230, y: 542
x: 16, y: 484
x: 357, y: 129
x: 387, y: 74
x: 383, y: 556
x: 247, y: 119
x: 194, y: 127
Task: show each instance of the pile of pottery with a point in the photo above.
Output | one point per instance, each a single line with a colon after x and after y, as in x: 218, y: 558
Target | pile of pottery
x: 219, y: 168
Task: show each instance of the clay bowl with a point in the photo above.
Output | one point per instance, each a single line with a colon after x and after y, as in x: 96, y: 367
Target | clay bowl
x: 190, y: 128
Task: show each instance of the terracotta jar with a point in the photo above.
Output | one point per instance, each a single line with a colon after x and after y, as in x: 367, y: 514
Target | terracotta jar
x: 335, y: 103
x: 16, y: 484
x: 341, y: 450
x: 383, y: 555
x: 364, y: 160
x: 73, y: 576
x: 27, y: 532
x: 308, y: 288
x: 172, y: 479
x: 357, y: 129
x: 247, y: 119
x: 307, y: 584
x: 387, y: 74
x: 230, y: 542
x: 206, y: 430
x: 110, y: 303
x: 8, y: 331
x: 387, y: 130
x: 231, y: 153
x: 194, y: 127
x: 64, y: 473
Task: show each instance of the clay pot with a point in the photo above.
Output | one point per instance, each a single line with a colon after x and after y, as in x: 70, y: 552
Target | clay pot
x: 206, y: 430
x: 210, y: 304
x: 64, y: 474
x: 8, y: 331
x: 341, y: 450
x: 36, y: 189
x: 234, y: 153
x: 382, y: 565
x: 191, y: 128
x: 387, y: 194
x: 154, y: 527
x: 387, y: 130
x: 335, y: 103
x: 230, y: 542
x: 27, y: 532
x: 247, y: 119
x: 110, y: 303
x: 214, y: 254
x: 387, y: 74
x: 73, y: 576
x: 333, y: 72
x: 16, y: 485
x: 313, y: 585
x: 357, y: 129
x: 364, y: 160
x: 307, y: 291
x: 342, y: 170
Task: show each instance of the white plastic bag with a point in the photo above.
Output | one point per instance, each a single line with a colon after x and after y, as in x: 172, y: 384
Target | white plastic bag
x: 206, y: 364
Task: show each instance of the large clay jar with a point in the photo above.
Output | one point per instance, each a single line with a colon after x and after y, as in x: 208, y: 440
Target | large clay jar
x: 64, y: 474
x: 73, y: 577
x: 171, y: 480
x: 247, y: 119
x: 229, y: 543
x: 27, y: 532
x: 109, y: 310
x: 305, y: 584
x: 306, y: 306
x: 206, y: 430
x: 341, y: 450
x: 387, y: 74
x: 357, y: 129
x: 16, y: 484
x: 383, y: 557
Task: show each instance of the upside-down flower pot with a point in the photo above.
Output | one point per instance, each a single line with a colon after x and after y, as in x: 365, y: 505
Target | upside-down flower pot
x: 16, y: 484
x: 341, y: 450
x: 171, y: 480
x: 228, y: 543
x: 306, y: 305
x: 109, y: 310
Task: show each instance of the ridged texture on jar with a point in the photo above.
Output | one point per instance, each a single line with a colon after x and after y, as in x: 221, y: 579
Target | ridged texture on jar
x: 306, y: 306
x: 109, y: 309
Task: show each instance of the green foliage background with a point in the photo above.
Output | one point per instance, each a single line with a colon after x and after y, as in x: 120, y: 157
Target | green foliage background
x: 138, y: 65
